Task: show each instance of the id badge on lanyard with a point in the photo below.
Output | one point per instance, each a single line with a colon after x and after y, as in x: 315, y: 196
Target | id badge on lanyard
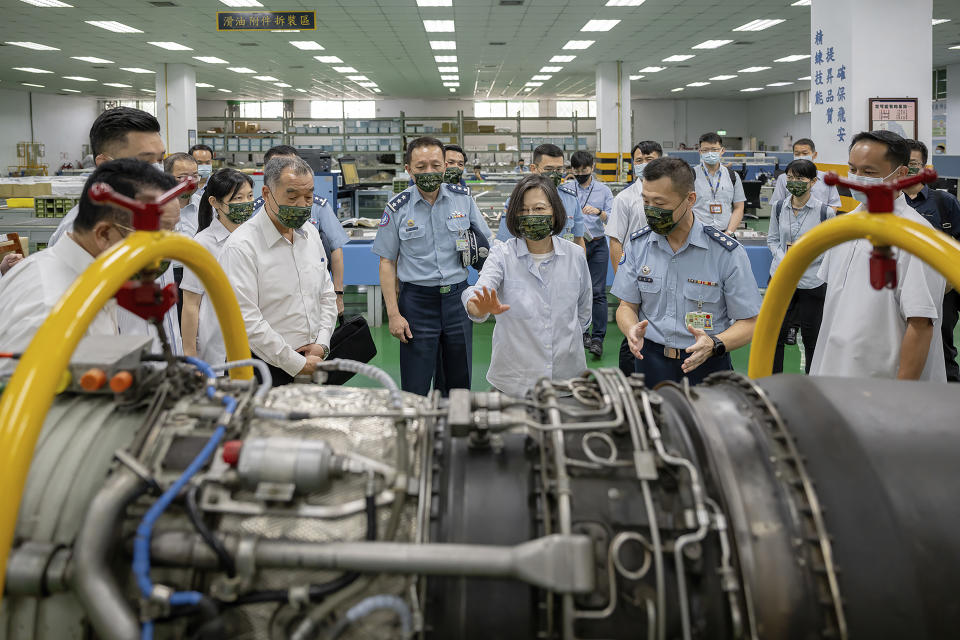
x: 699, y: 319
x: 715, y: 207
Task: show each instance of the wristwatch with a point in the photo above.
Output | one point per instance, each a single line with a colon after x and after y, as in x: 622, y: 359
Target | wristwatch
x: 326, y: 351
x: 718, y: 347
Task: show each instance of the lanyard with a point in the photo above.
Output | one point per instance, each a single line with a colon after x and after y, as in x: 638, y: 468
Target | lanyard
x: 790, y: 218
x: 589, y: 193
x: 713, y: 189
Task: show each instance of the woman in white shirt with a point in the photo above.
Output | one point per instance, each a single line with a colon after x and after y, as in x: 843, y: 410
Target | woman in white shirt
x: 789, y: 219
x: 538, y: 286
x: 227, y: 203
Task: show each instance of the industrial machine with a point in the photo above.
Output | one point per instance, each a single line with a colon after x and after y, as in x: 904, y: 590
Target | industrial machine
x: 183, y: 503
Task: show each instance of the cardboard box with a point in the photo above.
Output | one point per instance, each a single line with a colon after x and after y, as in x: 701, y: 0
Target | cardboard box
x: 252, y: 127
x: 471, y: 126
x: 239, y: 126
x: 487, y: 128
x: 446, y: 127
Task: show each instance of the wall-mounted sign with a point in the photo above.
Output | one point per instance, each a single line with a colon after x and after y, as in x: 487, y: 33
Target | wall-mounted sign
x: 898, y: 115
x: 266, y: 20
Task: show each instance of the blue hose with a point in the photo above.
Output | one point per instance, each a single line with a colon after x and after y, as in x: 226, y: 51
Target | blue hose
x: 141, y: 543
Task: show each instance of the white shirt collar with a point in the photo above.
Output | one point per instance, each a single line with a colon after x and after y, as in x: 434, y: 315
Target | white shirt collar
x: 72, y: 254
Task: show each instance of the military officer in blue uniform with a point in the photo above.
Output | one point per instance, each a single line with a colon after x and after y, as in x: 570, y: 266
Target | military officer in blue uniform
x: 548, y: 160
x: 422, y: 243
x: 323, y: 217
x: 687, y: 293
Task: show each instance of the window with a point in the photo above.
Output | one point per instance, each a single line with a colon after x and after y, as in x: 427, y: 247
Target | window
x: 338, y: 109
x: 939, y: 84
x: 506, y: 108
x: 801, y: 102
x: 264, y: 110
x: 583, y: 108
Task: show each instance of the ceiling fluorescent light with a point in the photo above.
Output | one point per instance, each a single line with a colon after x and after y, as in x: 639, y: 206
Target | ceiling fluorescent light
x: 71, y: 90
x: 697, y: 84
x: 210, y: 59
x: 711, y: 44
x: 752, y: 89
x: 451, y: 84
x: 955, y: 47
x: 651, y: 69
x: 434, y: 3
x: 377, y: 89
x: 550, y: 69
x: 300, y: 90
x: 454, y: 77
x: 727, y: 77
x: 369, y: 85
x: 778, y: 84
x: 110, y: 25
x: 328, y: 59
x: 448, y: 69
x: 204, y: 85
x: 241, y: 3
x: 136, y: 70
x: 30, y: 84
x: 794, y: 58
x: 452, y: 90
x: 637, y: 77
x: 344, y: 69
x: 753, y: 69
x: 534, y: 84
x: 148, y: 90
x: 31, y: 70
x: 807, y: 78
x: 444, y: 58
x: 358, y: 78
x: 116, y: 84
x: 265, y: 78
x: 91, y: 60
x: 541, y: 77
x: 34, y: 46
x: 438, y: 26
x: 79, y: 78
x: 599, y: 25
x: 679, y: 58
x: 676, y: 90
x: 759, y: 25
x: 579, y: 44
x: 282, y: 84
x: 935, y: 22
x: 438, y: 45
x: 240, y: 70
x: 624, y: 3
x: 47, y: 4
x: 225, y: 90
x: 801, y: 3
x: 171, y: 46
x: 307, y: 45
x: 562, y: 58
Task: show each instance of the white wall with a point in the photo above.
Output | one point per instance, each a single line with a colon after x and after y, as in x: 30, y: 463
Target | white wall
x: 60, y: 123
x: 953, y: 110
x: 771, y: 119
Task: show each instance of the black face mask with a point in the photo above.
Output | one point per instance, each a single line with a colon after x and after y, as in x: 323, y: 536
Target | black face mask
x: 582, y: 179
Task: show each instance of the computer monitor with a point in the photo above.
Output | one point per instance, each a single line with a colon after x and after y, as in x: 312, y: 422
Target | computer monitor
x: 348, y: 169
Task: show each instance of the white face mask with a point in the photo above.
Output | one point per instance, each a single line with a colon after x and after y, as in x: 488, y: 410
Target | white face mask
x: 810, y: 158
x: 860, y: 196
x: 157, y: 165
x: 710, y: 157
x: 638, y: 168
x: 204, y: 170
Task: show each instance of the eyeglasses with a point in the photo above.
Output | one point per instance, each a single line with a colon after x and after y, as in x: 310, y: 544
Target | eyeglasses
x: 537, y: 211
x: 916, y: 164
x: 195, y: 176
x: 121, y: 228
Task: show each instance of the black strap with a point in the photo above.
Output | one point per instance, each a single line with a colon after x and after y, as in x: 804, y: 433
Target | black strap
x: 339, y: 319
x: 823, y: 212
x: 733, y: 176
x: 941, y: 203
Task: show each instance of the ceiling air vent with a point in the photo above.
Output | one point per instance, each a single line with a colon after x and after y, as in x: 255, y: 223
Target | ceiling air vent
x: 511, y: 3
x: 497, y: 44
x: 246, y: 44
x: 163, y: 3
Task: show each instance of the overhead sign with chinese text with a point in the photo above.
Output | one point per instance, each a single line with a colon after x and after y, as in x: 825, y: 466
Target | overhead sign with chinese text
x: 266, y: 20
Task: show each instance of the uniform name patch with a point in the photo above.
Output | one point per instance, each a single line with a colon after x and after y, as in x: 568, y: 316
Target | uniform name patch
x: 705, y: 282
x: 385, y: 220
x: 645, y: 279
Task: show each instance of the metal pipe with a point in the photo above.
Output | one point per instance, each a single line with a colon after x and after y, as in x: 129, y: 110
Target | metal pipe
x: 93, y: 582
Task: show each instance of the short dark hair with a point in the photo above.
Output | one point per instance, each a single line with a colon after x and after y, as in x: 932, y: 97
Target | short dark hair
x: 898, y: 152
x: 127, y: 177
x: 455, y: 148
x: 535, y: 181
x: 113, y: 125
x: 679, y: 171
x: 710, y: 137
x: 422, y: 141
x: 549, y: 150
x: 806, y: 141
x: 916, y: 145
x: 174, y: 158
x: 279, y: 150
x: 222, y: 184
x: 646, y: 146
x: 581, y: 159
x: 200, y: 147
x: 802, y: 169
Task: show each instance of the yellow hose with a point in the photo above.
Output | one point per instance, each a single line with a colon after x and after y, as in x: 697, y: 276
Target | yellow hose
x: 31, y: 390
x: 883, y: 229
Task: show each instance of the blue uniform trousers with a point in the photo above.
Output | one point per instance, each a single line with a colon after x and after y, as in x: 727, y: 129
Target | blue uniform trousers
x: 657, y: 367
x: 598, y: 260
x: 442, y: 336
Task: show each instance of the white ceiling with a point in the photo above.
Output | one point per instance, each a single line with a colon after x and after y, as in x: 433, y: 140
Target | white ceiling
x: 385, y: 41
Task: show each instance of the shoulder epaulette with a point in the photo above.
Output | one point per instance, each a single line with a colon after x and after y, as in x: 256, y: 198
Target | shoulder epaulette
x: 568, y: 190
x: 727, y: 242
x: 399, y: 201
x: 640, y: 233
x: 320, y: 201
x: 258, y: 203
x: 456, y: 188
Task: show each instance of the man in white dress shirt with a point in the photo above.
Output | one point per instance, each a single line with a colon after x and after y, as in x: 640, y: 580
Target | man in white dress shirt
x: 891, y: 333
x: 278, y: 270
x: 33, y: 287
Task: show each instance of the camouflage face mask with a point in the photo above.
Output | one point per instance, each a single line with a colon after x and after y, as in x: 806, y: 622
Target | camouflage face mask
x: 292, y: 216
x: 535, y: 227
x: 452, y: 175
x: 556, y: 176
x: 661, y: 220
x: 239, y: 212
x: 428, y: 182
x: 797, y: 187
